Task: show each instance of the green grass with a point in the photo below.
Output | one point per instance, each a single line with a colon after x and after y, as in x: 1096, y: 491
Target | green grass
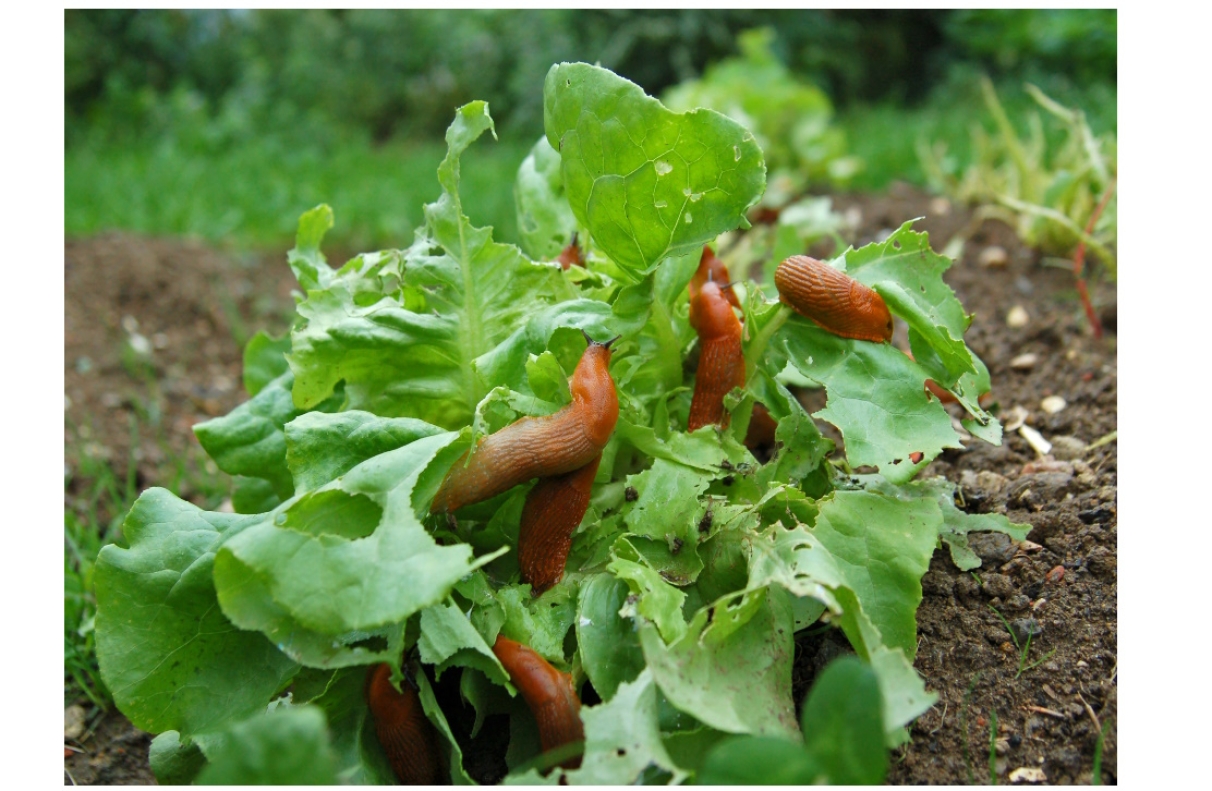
x: 251, y: 194
x: 1024, y: 648
x: 95, y: 504
x: 886, y: 136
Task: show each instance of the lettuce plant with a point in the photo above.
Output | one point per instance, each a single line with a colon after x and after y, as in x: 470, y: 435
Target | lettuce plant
x: 696, y: 563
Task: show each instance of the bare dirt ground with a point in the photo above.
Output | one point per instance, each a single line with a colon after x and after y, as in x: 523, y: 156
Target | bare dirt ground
x: 154, y: 331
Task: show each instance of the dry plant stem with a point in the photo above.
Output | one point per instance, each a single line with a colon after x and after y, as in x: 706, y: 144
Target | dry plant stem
x: 1079, y: 263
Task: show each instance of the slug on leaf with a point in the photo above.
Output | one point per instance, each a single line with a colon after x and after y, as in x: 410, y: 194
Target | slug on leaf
x: 837, y: 302
x: 572, y: 254
x: 407, y: 736
x: 553, y: 509
x: 721, y: 363
x: 945, y: 396
x: 549, y: 693
x: 539, y: 447
x: 711, y: 269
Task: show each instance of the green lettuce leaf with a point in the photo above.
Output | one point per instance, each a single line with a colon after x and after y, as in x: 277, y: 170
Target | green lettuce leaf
x: 647, y: 182
x: 404, y: 331
x: 322, y: 565
x: 545, y: 220
x: 287, y: 746
x: 166, y: 651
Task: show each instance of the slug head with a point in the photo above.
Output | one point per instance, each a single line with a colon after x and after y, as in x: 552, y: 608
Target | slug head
x: 871, y: 305
x: 711, y: 313
x: 593, y: 390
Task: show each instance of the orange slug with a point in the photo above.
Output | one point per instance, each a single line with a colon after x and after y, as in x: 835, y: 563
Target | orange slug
x: 837, y: 302
x: 548, y: 692
x: 711, y: 268
x: 408, y: 738
x: 572, y: 254
x: 945, y: 396
x: 721, y: 363
x: 539, y: 447
x: 554, y: 508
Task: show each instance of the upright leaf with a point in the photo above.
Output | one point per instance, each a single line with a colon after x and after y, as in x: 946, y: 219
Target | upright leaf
x: 647, y: 182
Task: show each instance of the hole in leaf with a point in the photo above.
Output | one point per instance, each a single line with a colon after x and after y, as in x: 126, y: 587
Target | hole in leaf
x: 374, y: 643
x: 334, y: 513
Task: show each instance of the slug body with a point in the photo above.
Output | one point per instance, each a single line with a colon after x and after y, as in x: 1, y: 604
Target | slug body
x: 549, y: 693
x: 711, y: 269
x: 838, y: 303
x: 539, y: 447
x: 721, y: 362
x: 554, y: 508
x: 572, y: 254
x: 407, y: 736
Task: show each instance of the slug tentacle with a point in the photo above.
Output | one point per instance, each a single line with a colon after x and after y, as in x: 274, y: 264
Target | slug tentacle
x: 837, y: 302
x: 553, y: 509
x: 549, y: 693
x: 539, y: 447
x: 711, y: 269
x: 407, y: 736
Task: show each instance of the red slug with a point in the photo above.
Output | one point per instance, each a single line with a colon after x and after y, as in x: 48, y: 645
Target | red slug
x: 711, y: 268
x: 944, y: 396
x: 554, y: 508
x: 721, y: 364
x: 408, y: 738
x: 572, y: 254
x: 539, y: 447
x: 840, y: 304
x: 548, y: 692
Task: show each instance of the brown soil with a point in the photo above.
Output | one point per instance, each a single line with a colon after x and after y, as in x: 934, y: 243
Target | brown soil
x: 193, y: 304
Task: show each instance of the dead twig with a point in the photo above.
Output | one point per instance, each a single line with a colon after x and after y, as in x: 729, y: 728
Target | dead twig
x: 1042, y: 710
x: 1097, y: 725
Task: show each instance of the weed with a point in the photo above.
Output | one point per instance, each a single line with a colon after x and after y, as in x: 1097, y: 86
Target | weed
x: 1096, y: 771
x: 1023, y: 648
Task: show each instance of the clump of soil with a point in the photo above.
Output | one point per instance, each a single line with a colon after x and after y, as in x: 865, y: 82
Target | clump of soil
x: 193, y: 306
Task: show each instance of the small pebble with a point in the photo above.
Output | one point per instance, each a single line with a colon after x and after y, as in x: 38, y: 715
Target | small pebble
x: 1053, y: 404
x: 940, y: 206
x: 1056, y: 574
x: 1023, y: 628
x: 1068, y: 448
x: 73, y: 722
x: 992, y: 482
x: 993, y: 256
x: 160, y: 340
x: 1047, y: 465
x: 1017, y: 318
x: 139, y: 344
x: 1015, y: 417
x: 1035, y: 439
x: 1024, y: 362
x: 1028, y: 774
x: 130, y: 324
x: 111, y: 400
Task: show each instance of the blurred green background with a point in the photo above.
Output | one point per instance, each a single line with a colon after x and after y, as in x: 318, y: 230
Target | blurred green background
x: 228, y: 124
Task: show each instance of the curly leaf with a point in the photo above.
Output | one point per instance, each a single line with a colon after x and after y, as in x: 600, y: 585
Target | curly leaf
x: 405, y: 332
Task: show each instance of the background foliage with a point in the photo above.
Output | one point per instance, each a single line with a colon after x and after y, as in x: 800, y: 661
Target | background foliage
x: 228, y: 124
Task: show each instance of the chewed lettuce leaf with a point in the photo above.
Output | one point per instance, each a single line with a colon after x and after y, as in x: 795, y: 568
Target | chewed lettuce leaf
x: 647, y: 182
